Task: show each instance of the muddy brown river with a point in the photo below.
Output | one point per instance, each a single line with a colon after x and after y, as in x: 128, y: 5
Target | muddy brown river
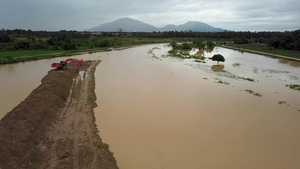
x: 157, y: 111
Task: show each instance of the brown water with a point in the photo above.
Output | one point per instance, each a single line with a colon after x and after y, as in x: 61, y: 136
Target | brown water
x: 160, y: 112
x: 18, y: 81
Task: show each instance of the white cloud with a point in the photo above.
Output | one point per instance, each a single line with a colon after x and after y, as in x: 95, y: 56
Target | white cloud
x: 82, y: 14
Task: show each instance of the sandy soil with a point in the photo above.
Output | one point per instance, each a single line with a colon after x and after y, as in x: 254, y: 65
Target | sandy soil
x: 54, y: 127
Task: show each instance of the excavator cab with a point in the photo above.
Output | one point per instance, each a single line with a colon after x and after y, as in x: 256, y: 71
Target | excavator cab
x: 63, y: 64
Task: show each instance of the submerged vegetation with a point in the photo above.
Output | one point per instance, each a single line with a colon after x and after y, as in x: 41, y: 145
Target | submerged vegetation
x: 282, y: 102
x: 294, y: 86
x: 236, y: 65
x: 249, y: 79
x: 183, y: 50
x: 233, y: 76
x: 253, y: 93
x: 221, y: 82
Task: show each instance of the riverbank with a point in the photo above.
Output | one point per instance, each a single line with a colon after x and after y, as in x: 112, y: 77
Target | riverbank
x: 54, y: 127
x: 28, y: 55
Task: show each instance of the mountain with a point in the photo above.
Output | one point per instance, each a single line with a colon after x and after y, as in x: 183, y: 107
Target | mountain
x: 131, y: 25
x: 126, y: 24
x: 170, y: 27
x: 198, y: 27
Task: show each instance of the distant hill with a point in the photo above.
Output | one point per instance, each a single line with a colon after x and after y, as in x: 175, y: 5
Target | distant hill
x: 126, y: 24
x: 131, y: 25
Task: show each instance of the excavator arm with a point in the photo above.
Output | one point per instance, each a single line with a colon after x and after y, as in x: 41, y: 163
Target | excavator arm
x: 63, y: 64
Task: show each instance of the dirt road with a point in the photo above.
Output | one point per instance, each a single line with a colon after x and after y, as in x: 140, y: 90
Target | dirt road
x: 54, y: 127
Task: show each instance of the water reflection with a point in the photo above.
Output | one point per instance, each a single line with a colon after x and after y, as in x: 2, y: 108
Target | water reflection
x: 9, y: 67
x: 209, y: 50
x: 289, y: 62
x: 200, y: 53
x: 217, y: 68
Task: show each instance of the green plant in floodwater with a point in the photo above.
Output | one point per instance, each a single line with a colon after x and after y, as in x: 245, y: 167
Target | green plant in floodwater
x: 294, y: 86
x: 282, y: 102
x: 249, y: 79
x: 249, y: 91
x: 233, y: 76
x: 236, y: 65
x: 173, y: 44
x: 223, y: 82
x: 293, y: 77
x: 199, y: 61
x: 179, y: 54
x: 253, y: 93
x: 257, y: 94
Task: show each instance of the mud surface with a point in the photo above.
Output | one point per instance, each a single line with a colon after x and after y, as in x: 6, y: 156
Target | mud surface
x: 54, y: 127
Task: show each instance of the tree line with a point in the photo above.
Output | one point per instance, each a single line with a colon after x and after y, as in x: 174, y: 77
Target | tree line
x: 19, y: 39
x: 289, y: 40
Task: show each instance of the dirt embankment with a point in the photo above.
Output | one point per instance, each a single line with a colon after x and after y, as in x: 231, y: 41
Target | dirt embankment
x: 54, y: 127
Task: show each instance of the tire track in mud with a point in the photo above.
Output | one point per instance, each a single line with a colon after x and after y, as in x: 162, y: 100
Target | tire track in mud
x: 76, y: 143
x: 59, y: 129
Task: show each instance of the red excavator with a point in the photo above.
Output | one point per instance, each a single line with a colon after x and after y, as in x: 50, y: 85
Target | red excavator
x: 63, y: 64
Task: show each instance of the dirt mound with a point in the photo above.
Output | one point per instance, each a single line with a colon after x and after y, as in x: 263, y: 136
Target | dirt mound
x: 54, y: 127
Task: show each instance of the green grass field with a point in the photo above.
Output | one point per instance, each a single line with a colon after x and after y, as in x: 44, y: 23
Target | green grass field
x: 29, y: 53
x: 25, y: 55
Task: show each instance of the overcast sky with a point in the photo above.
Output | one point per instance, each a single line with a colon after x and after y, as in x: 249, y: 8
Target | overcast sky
x: 236, y: 15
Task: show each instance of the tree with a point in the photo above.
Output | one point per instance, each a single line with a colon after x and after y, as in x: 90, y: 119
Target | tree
x: 4, y: 37
x: 200, y: 43
x: 68, y: 46
x: 218, y: 58
x: 173, y: 44
x: 38, y: 44
x: 185, y: 46
x: 21, y: 44
x: 210, y: 44
x: 242, y: 40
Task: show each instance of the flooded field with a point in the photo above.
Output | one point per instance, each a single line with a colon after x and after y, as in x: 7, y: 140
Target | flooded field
x: 157, y: 111
x: 162, y: 112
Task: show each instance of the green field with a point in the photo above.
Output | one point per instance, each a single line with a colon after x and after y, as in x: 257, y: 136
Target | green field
x: 30, y: 53
x: 25, y: 55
